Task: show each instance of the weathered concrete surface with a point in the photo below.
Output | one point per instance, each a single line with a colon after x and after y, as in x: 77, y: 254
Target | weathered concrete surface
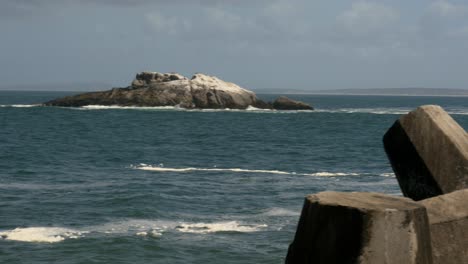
x: 428, y: 151
x: 448, y: 218
x: 361, y: 228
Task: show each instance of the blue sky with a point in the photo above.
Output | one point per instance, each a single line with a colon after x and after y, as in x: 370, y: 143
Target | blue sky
x: 294, y: 44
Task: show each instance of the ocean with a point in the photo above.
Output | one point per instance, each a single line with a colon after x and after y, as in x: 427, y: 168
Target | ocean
x: 167, y: 185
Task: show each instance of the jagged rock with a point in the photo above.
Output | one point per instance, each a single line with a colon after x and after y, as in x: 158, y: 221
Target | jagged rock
x: 285, y: 103
x: 448, y: 219
x: 428, y: 151
x: 171, y: 89
x: 211, y: 92
x: 148, y: 78
x: 361, y: 228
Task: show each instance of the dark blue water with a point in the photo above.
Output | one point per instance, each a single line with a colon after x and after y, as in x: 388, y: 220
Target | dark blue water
x: 100, y: 185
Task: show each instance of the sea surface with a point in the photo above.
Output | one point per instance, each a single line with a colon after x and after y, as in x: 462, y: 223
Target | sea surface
x: 167, y: 185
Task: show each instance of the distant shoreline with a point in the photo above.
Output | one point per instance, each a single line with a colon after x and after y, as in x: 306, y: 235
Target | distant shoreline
x: 463, y: 93
x: 344, y: 94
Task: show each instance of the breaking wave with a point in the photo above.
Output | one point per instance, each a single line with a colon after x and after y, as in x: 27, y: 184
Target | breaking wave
x: 41, y: 234
x: 177, y: 108
x: 21, y: 105
x: 146, y: 228
x: 251, y: 109
x: 276, y: 211
x: 231, y: 226
x: 107, y: 107
x: 147, y: 167
x: 383, y: 111
x: 378, y: 111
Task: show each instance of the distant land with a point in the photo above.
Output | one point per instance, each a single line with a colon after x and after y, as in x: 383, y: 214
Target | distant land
x: 86, y: 87
x: 379, y: 91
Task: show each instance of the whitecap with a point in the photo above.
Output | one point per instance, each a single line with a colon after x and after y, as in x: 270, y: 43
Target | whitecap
x: 40, y: 234
x: 189, y: 169
x: 230, y: 226
x: 147, y: 167
x: 249, y: 109
x: 332, y: 174
x: 139, y: 227
x: 388, y: 174
x: 107, y: 107
x: 21, y: 105
x: 377, y: 111
x: 276, y: 211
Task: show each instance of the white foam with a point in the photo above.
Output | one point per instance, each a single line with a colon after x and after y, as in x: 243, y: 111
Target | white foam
x: 332, y: 174
x: 249, y: 109
x: 388, y: 174
x: 231, y: 226
x: 163, y: 169
x: 143, y: 228
x: 40, y: 234
x: 152, y: 233
x: 457, y: 111
x: 147, y: 167
x: 139, y: 227
x: 21, y: 105
x: 378, y: 111
x: 384, y: 111
x: 106, y: 107
x: 275, y: 211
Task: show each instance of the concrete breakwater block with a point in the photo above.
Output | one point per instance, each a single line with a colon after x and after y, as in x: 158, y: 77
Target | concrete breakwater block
x: 361, y: 228
x: 428, y: 151
x: 448, y: 219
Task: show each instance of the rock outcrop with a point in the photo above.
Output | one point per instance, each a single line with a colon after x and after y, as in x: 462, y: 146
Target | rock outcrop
x: 285, y: 103
x: 361, y: 228
x: 173, y: 89
x: 428, y: 151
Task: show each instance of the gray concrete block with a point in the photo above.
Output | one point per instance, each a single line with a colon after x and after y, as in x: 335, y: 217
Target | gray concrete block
x: 361, y: 228
x: 428, y: 151
x: 448, y: 218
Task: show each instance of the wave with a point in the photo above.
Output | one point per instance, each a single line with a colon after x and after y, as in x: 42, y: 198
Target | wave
x: 383, y: 111
x: 107, y: 107
x: 332, y: 174
x: 231, y: 226
x: 378, y: 111
x: 251, y: 109
x: 276, y: 211
x: 41, y: 234
x: 21, y: 105
x: 189, y: 169
x: 147, y: 167
x: 58, y: 234
x: 146, y: 228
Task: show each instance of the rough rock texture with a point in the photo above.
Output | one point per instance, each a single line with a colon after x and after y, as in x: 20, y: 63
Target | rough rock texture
x: 170, y: 89
x: 284, y: 103
x: 448, y: 218
x: 428, y: 151
x: 361, y: 228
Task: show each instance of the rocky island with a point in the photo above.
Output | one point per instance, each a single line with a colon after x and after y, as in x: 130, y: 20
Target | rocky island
x: 173, y: 89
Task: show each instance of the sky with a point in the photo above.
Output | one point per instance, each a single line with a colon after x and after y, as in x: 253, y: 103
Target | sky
x: 258, y: 44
